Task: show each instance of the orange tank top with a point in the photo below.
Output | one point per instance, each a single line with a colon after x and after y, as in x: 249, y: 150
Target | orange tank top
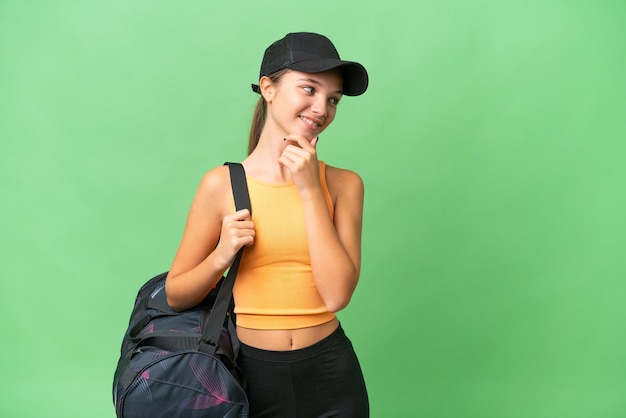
x: 274, y: 288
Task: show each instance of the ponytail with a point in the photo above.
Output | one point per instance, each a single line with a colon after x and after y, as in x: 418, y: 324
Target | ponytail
x: 258, y: 121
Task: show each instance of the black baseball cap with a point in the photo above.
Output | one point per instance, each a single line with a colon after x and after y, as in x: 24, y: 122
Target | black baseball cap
x: 312, y: 53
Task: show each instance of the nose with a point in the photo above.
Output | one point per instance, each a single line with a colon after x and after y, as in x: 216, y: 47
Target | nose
x: 319, y: 106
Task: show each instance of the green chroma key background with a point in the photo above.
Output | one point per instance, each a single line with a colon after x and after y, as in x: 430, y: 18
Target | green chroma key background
x: 491, y: 142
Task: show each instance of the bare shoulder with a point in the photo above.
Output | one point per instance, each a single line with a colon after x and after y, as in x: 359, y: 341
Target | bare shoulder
x: 343, y: 182
x: 216, y: 179
x: 215, y: 190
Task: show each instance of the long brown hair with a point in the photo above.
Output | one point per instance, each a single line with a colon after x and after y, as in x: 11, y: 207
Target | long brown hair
x: 260, y: 114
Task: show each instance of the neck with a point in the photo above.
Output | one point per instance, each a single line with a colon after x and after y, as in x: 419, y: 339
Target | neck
x: 263, y: 164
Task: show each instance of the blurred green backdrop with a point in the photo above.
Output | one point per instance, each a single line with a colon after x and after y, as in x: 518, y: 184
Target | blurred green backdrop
x: 491, y: 142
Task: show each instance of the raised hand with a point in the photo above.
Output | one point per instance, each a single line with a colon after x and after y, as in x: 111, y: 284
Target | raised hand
x: 300, y: 157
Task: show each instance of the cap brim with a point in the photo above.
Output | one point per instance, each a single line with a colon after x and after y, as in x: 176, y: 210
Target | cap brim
x: 355, y: 79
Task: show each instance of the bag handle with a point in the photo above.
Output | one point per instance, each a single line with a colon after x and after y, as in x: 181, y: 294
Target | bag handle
x: 212, y: 328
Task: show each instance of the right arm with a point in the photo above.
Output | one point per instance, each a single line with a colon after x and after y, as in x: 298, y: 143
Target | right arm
x: 213, y: 235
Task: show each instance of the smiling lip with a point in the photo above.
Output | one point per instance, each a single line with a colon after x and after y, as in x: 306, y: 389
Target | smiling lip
x: 311, y: 122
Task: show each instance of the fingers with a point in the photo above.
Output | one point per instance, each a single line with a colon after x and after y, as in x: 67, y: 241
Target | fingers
x: 300, y: 158
x: 299, y: 150
x: 295, y: 153
x: 302, y: 142
x: 240, y: 215
x: 294, y: 159
x: 238, y: 230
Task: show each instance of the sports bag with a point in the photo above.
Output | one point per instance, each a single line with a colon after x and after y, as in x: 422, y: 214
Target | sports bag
x: 183, y: 364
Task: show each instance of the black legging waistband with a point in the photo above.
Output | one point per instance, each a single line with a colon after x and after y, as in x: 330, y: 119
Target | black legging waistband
x: 294, y: 355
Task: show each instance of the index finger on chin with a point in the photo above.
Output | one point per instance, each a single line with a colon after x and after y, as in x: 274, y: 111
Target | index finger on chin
x: 298, y: 140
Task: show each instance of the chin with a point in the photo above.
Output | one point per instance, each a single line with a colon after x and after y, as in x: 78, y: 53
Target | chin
x: 308, y: 134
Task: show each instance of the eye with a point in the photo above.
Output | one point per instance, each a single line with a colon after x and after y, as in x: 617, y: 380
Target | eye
x: 309, y: 89
x: 334, y: 101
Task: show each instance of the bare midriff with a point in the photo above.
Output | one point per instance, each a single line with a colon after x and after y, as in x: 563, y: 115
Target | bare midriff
x: 286, y: 339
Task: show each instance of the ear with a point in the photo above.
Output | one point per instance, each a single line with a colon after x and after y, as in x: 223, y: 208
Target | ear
x: 267, y: 88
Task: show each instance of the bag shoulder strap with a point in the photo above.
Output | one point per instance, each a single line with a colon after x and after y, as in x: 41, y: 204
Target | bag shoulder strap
x: 240, y: 186
x: 213, y: 327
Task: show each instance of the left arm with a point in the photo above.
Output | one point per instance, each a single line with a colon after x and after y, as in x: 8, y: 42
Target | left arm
x: 334, y: 245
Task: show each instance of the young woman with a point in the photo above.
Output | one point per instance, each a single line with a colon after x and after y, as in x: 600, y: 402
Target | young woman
x: 303, y: 239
